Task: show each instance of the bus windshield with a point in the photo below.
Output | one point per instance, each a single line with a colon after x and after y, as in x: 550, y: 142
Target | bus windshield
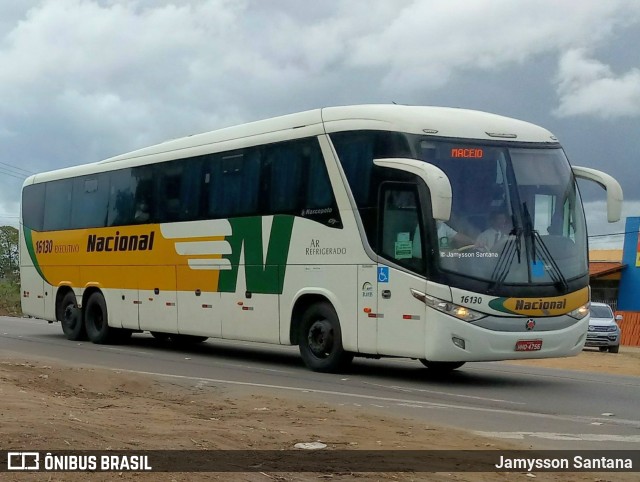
x: 516, y: 214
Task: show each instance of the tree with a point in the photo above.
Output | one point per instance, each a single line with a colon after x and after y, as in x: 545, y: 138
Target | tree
x: 9, y: 264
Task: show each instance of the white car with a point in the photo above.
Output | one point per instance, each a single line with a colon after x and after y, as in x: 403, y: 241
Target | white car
x: 604, y: 332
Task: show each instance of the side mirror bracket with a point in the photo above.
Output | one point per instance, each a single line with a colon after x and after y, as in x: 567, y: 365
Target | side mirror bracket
x: 613, y: 188
x: 435, y: 179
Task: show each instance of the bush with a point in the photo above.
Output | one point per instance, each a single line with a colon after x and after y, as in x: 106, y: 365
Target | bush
x: 10, y: 298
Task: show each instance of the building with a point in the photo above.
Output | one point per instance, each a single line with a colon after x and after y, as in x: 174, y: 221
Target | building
x: 629, y: 291
x: 605, y: 271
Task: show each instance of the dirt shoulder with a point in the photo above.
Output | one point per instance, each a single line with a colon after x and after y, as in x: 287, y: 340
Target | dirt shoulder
x: 626, y: 362
x: 50, y: 406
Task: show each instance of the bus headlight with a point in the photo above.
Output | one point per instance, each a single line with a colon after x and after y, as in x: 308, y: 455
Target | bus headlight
x: 460, y: 312
x: 580, y: 313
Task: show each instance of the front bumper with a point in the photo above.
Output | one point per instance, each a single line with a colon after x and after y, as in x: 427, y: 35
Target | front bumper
x: 602, y: 339
x: 487, y: 345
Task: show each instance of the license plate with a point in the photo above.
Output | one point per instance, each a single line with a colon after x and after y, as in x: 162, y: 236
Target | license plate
x: 528, y: 345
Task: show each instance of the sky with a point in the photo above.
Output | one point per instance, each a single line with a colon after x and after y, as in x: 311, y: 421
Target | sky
x: 84, y: 80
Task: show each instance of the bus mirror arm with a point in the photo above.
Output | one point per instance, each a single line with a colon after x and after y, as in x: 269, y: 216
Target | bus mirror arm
x: 435, y: 179
x: 613, y: 188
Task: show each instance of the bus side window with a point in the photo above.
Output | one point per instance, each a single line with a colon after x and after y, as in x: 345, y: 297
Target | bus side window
x: 284, y: 165
x: 90, y: 200
x: 121, y: 198
x: 144, y: 199
x: 233, y: 180
x: 319, y: 193
x: 190, y: 190
x: 33, y: 206
x: 57, y: 207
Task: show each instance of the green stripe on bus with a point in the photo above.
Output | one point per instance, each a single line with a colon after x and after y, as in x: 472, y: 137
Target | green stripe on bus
x: 262, y: 275
x: 28, y: 240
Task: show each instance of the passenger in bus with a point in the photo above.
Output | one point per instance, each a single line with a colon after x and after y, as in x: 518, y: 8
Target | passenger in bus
x: 498, y: 229
x: 142, y: 212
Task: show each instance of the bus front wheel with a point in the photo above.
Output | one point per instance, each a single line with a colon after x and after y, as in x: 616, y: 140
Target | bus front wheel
x: 441, y: 367
x: 70, y: 318
x: 320, y: 340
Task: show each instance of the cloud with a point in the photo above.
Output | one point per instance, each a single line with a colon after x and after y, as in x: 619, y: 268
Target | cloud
x: 589, y: 87
x: 86, y: 79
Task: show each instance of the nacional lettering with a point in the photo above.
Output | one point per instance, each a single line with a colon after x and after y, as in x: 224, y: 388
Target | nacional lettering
x: 541, y: 305
x: 134, y: 242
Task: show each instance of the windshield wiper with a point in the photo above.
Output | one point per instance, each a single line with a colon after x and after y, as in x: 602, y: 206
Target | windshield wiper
x: 546, y: 258
x: 508, y: 253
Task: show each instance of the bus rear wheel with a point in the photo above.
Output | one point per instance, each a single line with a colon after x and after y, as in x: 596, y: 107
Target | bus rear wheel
x: 70, y: 318
x: 96, y: 321
x: 441, y: 367
x: 320, y: 340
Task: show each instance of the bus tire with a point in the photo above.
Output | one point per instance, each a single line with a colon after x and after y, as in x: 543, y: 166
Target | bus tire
x: 71, y: 318
x: 441, y: 366
x: 320, y: 340
x: 96, y: 320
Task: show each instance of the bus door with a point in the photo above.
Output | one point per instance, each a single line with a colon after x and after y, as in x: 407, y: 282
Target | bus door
x: 367, y: 308
x: 400, y: 316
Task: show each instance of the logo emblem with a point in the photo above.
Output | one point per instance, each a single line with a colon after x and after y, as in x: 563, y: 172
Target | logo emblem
x: 383, y: 274
x: 530, y: 325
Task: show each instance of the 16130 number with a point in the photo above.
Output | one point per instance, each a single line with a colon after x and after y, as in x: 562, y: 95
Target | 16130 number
x: 44, y: 246
x: 472, y: 300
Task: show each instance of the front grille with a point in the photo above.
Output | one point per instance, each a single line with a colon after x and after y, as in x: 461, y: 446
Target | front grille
x: 598, y: 328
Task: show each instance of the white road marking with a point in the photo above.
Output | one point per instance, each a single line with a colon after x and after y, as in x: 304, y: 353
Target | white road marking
x: 584, y: 437
x: 410, y: 405
x: 435, y: 392
x: 571, y: 418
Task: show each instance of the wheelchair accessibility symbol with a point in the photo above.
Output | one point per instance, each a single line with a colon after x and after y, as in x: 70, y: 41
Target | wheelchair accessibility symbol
x: 383, y: 274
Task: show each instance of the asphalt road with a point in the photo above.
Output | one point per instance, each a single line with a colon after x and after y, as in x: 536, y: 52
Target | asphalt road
x: 544, y: 408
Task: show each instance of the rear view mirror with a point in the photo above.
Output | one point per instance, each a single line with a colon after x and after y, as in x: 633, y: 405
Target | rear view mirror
x: 618, y: 317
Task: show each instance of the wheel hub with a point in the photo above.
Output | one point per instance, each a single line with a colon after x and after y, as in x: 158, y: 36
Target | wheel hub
x: 320, y: 338
x: 69, y: 316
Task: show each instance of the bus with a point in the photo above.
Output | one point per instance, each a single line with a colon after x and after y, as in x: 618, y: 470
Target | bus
x: 349, y: 231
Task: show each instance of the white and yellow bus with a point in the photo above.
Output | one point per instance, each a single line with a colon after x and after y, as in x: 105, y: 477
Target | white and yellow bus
x: 344, y: 230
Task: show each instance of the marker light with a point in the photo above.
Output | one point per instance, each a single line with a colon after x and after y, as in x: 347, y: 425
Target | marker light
x: 459, y: 342
x: 581, y: 312
x: 460, y: 312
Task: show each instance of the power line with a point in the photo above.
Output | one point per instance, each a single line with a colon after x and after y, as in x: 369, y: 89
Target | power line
x: 611, y: 234
x: 16, y: 168
x: 10, y: 174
